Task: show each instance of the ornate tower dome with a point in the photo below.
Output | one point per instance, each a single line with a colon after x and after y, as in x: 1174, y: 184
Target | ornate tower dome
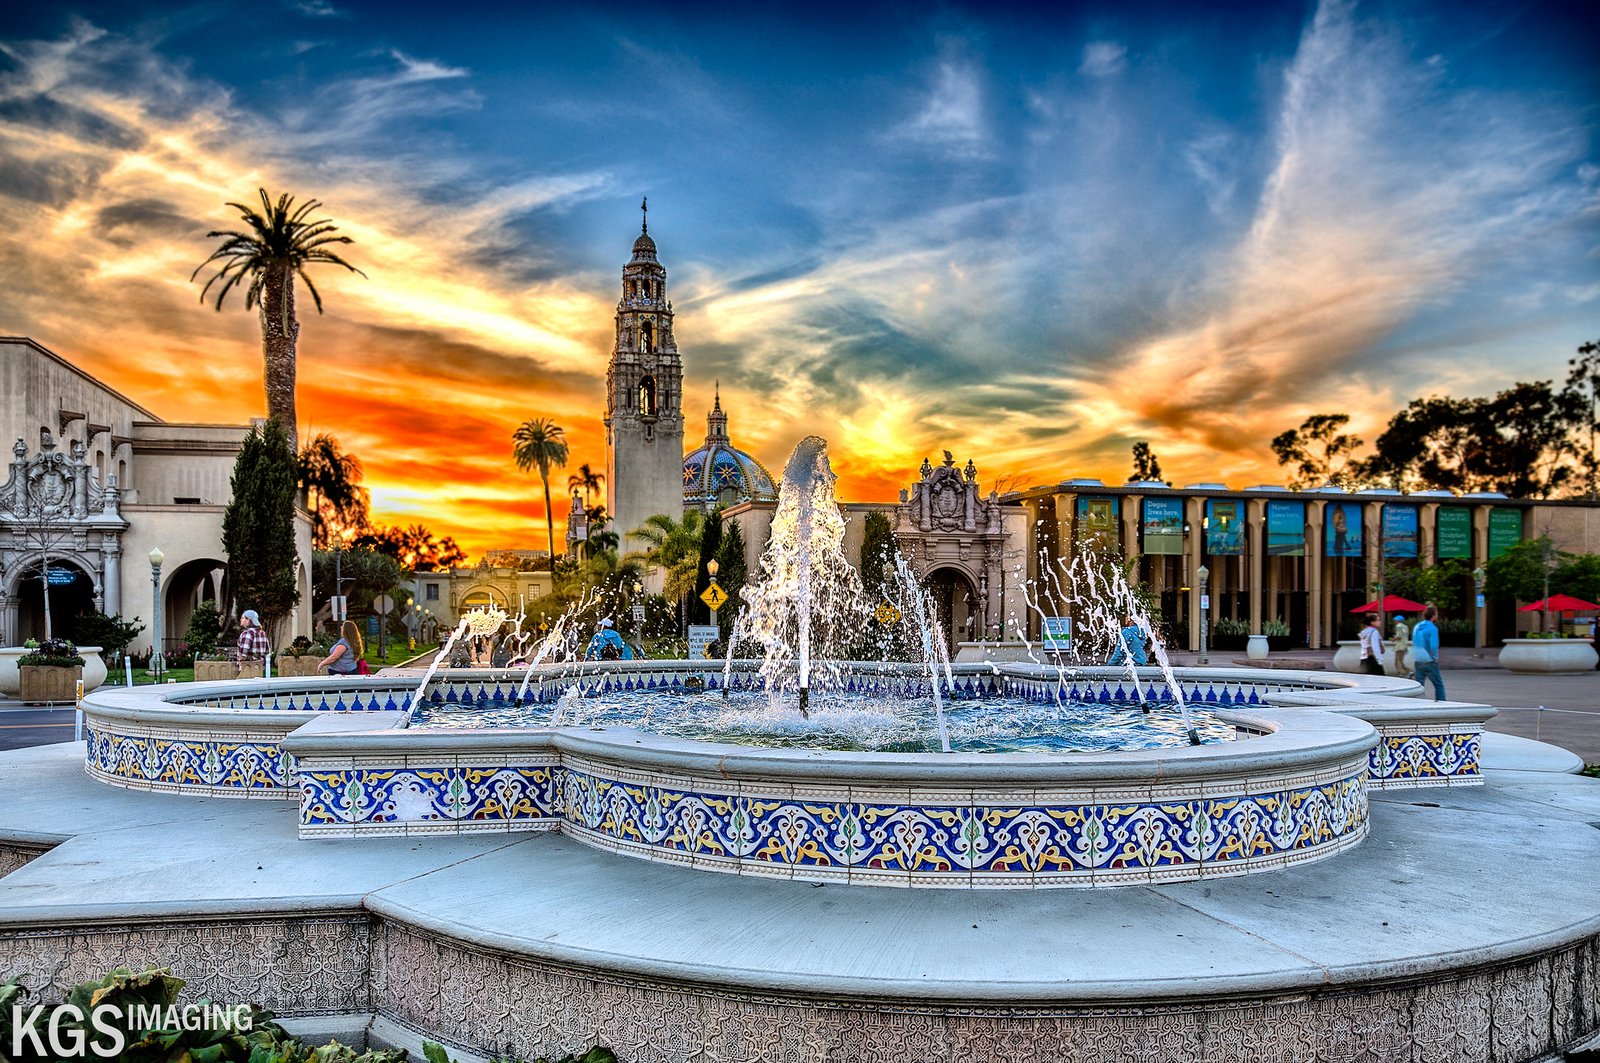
x: 720, y: 474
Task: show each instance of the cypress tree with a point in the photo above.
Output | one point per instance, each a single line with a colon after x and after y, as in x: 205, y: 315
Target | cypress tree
x: 877, y: 550
x: 258, y: 527
x: 710, y: 541
x: 732, y: 573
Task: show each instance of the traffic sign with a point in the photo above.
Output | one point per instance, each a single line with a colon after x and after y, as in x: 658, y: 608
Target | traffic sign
x: 886, y: 614
x: 701, y: 636
x: 714, y: 596
x: 1205, y: 601
x: 382, y: 604
x: 341, y: 607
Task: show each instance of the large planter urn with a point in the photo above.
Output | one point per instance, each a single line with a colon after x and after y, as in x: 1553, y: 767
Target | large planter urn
x: 1348, y: 657
x: 43, y: 684
x: 1548, y: 656
x: 1256, y: 649
x: 10, y: 680
x: 94, y: 668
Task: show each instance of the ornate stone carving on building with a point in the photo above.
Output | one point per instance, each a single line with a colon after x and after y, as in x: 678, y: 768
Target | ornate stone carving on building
x: 53, y: 505
x: 944, y: 522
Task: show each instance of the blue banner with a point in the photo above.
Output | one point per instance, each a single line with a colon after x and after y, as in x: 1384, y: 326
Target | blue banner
x: 1344, y: 529
x: 1225, y: 528
x: 1286, y: 529
x: 1399, y: 531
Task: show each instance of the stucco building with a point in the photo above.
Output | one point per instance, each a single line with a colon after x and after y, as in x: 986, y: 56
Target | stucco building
x: 96, y: 482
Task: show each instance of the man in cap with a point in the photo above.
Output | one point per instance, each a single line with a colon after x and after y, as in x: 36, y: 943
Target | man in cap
x: 253, y: 644
x: 607, y: 645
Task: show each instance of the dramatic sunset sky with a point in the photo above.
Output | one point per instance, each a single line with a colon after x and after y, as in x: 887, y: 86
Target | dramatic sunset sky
x: 1031, y: 237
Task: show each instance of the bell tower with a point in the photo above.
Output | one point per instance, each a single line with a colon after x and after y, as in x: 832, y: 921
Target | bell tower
x: 644, y: 397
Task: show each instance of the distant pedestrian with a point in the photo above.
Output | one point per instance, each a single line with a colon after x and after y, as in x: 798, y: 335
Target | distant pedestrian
x: 1372, y: 646
x: 347, y: 654
x: 1129, y: 645
x: 1425, y: 653
x: 253, y: 644
x: 1401, y: 644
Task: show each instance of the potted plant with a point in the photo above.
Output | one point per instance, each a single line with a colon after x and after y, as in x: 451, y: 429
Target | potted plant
x: 1228, y: 634
x: 49, y: 672
x: 1279, y: 636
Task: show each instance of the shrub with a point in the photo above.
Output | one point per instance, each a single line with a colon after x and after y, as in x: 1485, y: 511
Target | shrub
x: 111, y: 633
x: 205, y: 627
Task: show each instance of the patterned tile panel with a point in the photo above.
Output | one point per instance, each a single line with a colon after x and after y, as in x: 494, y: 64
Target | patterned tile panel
x: 1427, y: 756
x: 190, y: 763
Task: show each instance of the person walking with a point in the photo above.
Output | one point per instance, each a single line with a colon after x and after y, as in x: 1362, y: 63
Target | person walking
x: 252, y: 645
x: 346, y: 656
x: 1372, y: 646
x: 1425, y: 653
x: 1401, y: 645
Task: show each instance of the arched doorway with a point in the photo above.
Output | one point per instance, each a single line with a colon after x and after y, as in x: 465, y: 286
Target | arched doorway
x: 483, y: 598
x: 71, y: 595
x: 955, y: 600
x: 185, y: 587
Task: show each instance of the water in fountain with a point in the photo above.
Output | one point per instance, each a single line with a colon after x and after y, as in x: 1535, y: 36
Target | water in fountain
x: 807, y: 601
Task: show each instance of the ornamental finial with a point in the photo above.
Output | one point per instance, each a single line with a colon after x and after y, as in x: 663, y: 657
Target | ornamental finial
x: 644, y: 206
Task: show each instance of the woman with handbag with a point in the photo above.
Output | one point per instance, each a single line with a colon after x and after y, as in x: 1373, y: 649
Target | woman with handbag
x: 348, y: 656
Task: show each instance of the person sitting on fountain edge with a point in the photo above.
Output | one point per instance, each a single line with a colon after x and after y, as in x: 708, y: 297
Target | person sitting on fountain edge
x: 1129, y: 644
x: 607, y: 644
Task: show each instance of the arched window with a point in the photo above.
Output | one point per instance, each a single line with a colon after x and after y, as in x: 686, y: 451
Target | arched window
x: 647, y: 397
x: 647, y: 338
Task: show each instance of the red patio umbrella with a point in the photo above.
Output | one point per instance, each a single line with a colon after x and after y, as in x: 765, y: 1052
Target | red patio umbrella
x: 1391, y: 603
x: 1560, y: 603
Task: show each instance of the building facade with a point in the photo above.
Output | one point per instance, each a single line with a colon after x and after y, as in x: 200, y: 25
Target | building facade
x: 96, y: 483
x: 440, y: 597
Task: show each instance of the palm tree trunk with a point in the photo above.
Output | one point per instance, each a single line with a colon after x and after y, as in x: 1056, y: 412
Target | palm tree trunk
x: 549, y: 523
x: 280, y: 332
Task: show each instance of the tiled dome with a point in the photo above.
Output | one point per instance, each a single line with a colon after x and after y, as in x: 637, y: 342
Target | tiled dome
x: 720, y: 473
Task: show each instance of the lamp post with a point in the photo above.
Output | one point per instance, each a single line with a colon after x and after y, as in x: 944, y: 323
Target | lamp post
x: 1204, y: 575
x: 1478, y: 576
x: 158, y: 664
x: 711, y: 570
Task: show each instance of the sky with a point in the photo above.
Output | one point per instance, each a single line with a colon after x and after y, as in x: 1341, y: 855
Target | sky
x: 1028, y: 236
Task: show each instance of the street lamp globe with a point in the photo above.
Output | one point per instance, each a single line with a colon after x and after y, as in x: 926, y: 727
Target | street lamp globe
x: 1204, y: 573
x: 711, y: 568
x: 156, y: 557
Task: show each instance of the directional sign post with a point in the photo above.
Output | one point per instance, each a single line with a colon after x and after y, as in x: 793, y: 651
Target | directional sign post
x: 382, y: 605
x: 714, y: 597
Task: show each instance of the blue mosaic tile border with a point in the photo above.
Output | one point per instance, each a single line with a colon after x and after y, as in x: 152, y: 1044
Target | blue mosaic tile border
x: 197, y: 763
x: 1065, y: 840
x: 1409, y: 759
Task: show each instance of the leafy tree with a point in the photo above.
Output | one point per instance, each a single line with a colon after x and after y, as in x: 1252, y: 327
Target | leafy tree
x: 331, y: 479
x: 1319, y: 450
x: 1146, y: 466
x: 204, y: 630
x: 277, y: 245
x: 602, y: 536
x: 877, y: 552
x: 1440, y: 584
x: 258, y: 526
x: 367, y: 573
x: 1518, y: 574
x: 541, y: 442
x: 1584, y: 379
x: 414, y: 547
x: 111, y: 633
x: 1577, y: 575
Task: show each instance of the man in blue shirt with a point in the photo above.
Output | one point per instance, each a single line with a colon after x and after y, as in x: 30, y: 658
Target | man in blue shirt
x: 1425, y: 653
x: 607, y: 645
x: 1130, y: 645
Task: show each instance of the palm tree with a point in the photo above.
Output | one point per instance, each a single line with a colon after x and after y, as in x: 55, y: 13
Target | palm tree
x: 340, y: 505
x: 541, y: 442
x: 586, y: 479
x: 275, y: 248
x: 674, y: 547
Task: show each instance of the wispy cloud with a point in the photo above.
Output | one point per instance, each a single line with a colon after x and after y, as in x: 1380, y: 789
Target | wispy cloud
x: 950, y: 113
x: 1103, y: 58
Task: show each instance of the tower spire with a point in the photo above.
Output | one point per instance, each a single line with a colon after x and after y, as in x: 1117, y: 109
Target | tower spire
x: 644, y: 207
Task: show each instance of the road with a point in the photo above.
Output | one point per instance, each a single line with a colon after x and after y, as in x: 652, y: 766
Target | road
x: 35, y: 727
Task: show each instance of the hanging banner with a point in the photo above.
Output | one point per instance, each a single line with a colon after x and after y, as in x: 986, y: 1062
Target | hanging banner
x: 1399, y: 531
x: 1286, y: 529
x: 1225, y: 528
x: 1097, y: 519
x: 1505, y: 530
x: 1452, y: 532
x: 1162, y: 526
x: 1344, y: 529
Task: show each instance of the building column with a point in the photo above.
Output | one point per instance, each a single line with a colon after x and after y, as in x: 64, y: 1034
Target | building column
x: 111, y: 580
x: 1194, y: 556
x: 1316, y: 607
x: 8, y: 620
x: 1427, y: 517
x: 1255, y: 520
